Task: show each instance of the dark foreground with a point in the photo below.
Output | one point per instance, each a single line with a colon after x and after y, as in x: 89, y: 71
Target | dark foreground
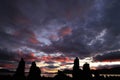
x: 77, y: 74
x: 8, y: 77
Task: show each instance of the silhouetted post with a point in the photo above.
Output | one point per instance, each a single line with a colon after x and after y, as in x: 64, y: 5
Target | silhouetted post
x: 19, y: 74
x: 76, y: 70
x: 87, y: 72
x: 34, y: 73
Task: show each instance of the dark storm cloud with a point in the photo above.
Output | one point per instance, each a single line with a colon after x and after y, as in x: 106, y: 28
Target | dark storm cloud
x: 67, y: 46
x: 9, y: 22
x: 92, y: 26
x: 14, y: 56
x: 41, y: 11
x: 18, y: 39
x: 51, y: 66
x: 108, y: 66
x: 9, y: 59
x: 102, y: 31
x: 7, y: 55
x: 6, y: 66
x: 53, y: 59
x: 111, y: 21
x: 113, y: 56
x: 16, y: 13
x: 112, y: 17
x: 49, y: 62
x: 10, y: 14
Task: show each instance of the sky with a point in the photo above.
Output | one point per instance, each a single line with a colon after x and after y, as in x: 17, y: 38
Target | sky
x: 54, y: 32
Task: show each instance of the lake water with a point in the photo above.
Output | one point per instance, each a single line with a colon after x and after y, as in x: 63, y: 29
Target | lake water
x: 44, y: 74
x: 53, y: 74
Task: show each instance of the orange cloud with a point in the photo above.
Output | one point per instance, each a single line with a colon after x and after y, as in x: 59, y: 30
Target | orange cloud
x: 46, y: 58
x: 33, y: 40
x: 58, y: 59
x: 111, y: 60
x: 53, y: 37
x: 20, y: 19
x: 30, y: 56
x: 62, y: 59
x: 65, y: 31
x: 7, y: 66
x: 26, y: 34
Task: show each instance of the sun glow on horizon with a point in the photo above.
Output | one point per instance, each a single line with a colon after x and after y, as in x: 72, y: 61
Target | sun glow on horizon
x: 60, y: 66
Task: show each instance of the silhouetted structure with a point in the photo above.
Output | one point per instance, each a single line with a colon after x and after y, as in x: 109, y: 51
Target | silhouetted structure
x: 87, y: 72
x: 76, y: 64
x: 34, y: 73
x: 19, y: 74
x: 61, y: 76
x: 76, y: 73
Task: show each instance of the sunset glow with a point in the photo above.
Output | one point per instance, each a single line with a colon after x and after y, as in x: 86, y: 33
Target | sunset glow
x: 53, y: 32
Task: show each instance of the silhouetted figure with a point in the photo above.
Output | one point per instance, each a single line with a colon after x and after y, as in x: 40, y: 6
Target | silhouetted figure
x: 34, y: 73
x: 19, y: 74
x: 76, y: 71
x: 87, y: 72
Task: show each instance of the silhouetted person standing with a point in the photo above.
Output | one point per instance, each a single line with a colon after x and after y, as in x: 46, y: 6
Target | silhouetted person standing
x: 34, y: 73
x: 19, y: 74
x: 87, y: 72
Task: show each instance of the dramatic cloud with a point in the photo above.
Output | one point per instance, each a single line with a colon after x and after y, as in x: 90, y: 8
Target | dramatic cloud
x: 27, y: 35
x: 113, y: 56
x: 52, y: 66
x: 71, y: 27
x: 65, y: 31
x: 11, y: 58
x: 55, y: 59
x: 108, y: 66
x: 7, y: 56
x: 6, y: 66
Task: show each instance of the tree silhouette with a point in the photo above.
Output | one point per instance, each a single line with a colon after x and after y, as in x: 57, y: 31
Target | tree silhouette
x: 34, y: 73
x: 78, y: 74
x: 76, y: 71
x: 19, y: 74
x: 87, y: 72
